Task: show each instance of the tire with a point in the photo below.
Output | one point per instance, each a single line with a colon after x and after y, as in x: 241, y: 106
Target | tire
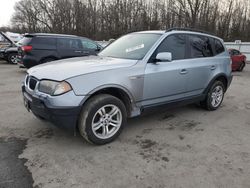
x: 12, y: 58
x: 242, y: 66
x: 217, y: 90
x: 91, y: 117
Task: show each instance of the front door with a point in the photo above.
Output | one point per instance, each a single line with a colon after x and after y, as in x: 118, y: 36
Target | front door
x: 166, y: 81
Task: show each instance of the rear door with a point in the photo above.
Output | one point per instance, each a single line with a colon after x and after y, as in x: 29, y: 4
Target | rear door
x: 69, y: 47
x: 201, y: 64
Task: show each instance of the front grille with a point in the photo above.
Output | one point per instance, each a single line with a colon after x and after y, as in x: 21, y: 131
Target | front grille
x: 31, y: 82
x: 27, y: 80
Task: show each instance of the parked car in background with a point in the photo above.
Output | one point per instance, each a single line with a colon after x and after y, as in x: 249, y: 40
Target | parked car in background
x: 238, y: 60
x: 105, y: 43
x: 138, y: 71
x: 8, y: 50
x: 39, y: 48
x: 14, y: 36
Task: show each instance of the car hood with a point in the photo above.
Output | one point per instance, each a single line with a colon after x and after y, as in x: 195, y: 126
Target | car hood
x: 64, y: 69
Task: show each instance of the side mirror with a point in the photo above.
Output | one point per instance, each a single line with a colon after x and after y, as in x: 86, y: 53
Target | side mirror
x: 98, y: 48
x: 164, y: 56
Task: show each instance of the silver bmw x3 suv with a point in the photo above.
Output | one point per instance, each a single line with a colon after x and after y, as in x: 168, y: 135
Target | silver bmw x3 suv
x: 141, y: 70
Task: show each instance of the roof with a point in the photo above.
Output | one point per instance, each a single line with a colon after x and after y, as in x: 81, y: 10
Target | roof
x: 152, y: 32
x: 48, y: 34
x: 181, y: 30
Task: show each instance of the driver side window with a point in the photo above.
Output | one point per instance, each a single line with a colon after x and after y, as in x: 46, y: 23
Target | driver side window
x: 175, y: 44
x: 89, y: 45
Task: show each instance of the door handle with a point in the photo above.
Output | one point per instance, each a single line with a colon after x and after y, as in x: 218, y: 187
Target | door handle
x: 78, y: 51
x: 183, y: 71
x: 85, y: 53
x: 213, y: 67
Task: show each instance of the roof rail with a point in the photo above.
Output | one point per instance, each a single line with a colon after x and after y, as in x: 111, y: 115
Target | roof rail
x: 188, y: 29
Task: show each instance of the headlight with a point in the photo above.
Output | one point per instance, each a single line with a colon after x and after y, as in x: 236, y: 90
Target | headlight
x: 54, y: 88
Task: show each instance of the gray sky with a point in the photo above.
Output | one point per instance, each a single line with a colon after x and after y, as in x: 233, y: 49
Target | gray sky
x: 6, y: 11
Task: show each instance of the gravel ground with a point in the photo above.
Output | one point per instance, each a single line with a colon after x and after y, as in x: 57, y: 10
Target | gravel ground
x: 182, y: 147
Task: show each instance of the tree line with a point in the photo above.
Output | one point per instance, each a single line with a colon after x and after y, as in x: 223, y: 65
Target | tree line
x: 105, y: 19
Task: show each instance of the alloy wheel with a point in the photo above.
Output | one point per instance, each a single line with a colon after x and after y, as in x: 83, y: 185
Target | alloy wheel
x: 107, y: 121
x: 217, y: 96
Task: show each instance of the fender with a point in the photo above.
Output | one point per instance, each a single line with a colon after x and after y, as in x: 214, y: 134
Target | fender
x: 213, y: 80
x: 11, y: 50
x: 107, y: 86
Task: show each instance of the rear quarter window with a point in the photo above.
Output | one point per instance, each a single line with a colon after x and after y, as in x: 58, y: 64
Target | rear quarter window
x: 219, y: 48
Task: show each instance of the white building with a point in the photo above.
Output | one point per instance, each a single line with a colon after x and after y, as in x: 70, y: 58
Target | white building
x: 243, y: 47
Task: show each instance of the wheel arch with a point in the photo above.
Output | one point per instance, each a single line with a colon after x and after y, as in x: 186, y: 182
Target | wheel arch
x: 220, y: 77
x: 115, y: 90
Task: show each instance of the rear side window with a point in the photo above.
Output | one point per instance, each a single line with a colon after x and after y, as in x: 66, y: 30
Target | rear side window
x: 235, y: 52
x: 200, y: 46
x: 219, y: 48
x: 176, y: 44
x: 69, y: 43
x: 44, y: 42
x: 88, y: 44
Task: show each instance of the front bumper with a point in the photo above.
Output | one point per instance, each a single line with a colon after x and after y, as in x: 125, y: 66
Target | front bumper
x: 63, y: 117
x: 2, y: 56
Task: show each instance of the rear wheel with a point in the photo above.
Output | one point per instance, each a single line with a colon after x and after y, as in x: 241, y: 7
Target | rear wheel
x: 214, y: 97
x: 242, y: 66
x: 12, y: 58
x: 102, y: 119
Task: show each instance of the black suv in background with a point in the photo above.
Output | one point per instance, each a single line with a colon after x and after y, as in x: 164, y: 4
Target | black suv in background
x: 41, y: 48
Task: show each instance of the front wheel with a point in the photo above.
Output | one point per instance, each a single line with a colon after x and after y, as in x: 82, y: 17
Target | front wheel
x: 102, y: 119
x: 214, y: 97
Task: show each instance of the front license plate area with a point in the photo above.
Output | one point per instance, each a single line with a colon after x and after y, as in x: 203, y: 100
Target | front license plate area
x: 26, y: 101
x: 26, y: 104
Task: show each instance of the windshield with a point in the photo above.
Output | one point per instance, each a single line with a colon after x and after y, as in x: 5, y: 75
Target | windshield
x: 132, y: 46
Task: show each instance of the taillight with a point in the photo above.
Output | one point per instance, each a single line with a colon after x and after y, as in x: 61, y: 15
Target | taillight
x: 26, y: 48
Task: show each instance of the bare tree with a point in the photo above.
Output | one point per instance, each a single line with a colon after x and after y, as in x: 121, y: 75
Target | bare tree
x: 104, y: 19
